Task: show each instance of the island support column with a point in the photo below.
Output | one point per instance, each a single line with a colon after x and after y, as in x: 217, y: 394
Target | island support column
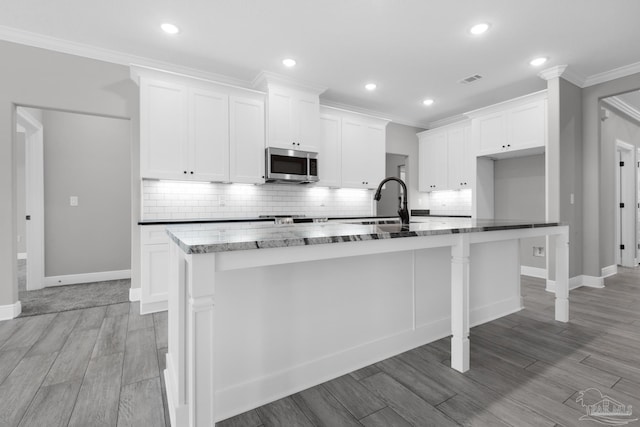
x: 562, y: 276
x: 460, y: 304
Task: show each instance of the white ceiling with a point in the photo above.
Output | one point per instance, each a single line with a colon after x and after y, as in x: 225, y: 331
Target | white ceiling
x: 412, y: 49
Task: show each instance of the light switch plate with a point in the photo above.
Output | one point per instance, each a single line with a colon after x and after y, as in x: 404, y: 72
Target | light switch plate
x: 73, y: 201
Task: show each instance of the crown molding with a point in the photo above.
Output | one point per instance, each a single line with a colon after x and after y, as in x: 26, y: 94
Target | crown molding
x: 372, y: 113
x: 448, y: 121
x: 623, y: 107
x: 267, y: 78
x: 553, y: 72
x: 513, y: 102
x: 106, y: 55
x: 616, y: 73
x: 563, y: 71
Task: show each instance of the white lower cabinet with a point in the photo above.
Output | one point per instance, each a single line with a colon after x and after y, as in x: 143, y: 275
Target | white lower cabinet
x: 154, y: 268
x: 445, y: 158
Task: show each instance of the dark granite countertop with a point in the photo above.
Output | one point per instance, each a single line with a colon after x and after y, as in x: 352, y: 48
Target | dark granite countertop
x: 221, y: 237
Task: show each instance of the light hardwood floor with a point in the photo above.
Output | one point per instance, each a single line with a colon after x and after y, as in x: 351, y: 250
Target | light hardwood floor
x: 101, y: 367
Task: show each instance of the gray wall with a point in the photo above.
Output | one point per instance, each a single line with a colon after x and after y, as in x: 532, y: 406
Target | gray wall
x: 88, y: 157
x: 519, y: 193
x: 598, y: 173
x: 388, y: 205
x: 41, y: 78
x: 617, y: 126
x: 403, y: 140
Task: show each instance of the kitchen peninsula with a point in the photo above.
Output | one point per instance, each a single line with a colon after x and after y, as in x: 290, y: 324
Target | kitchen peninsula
x: 259, y: 311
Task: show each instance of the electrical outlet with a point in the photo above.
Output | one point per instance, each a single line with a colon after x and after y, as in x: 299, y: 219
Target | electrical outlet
x: 538, y: 251
x: 221, y: 201
x: 73, y: 201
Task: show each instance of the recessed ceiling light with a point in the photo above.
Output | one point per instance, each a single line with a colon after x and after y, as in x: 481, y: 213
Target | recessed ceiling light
x: 478, y: 29
x: 169, y: 28
x: 289, y: 62
x: 370, y: 86
x: 538, y: 61
x: 428, y: 102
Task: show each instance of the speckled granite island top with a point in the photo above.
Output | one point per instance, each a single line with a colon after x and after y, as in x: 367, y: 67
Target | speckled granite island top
x: 221, y: 237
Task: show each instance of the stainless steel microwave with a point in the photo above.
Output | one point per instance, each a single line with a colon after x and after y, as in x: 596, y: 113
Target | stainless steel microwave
x: 291, y: 166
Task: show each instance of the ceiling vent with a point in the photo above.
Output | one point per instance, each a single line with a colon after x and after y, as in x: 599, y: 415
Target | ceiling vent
x: 470, y: 79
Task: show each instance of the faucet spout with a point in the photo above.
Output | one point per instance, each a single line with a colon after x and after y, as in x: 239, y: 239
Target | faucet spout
x: 403, y: 210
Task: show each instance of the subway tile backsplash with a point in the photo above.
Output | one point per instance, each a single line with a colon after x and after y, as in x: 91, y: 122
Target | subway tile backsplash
x: 454, y: 202
x: 195, y: 200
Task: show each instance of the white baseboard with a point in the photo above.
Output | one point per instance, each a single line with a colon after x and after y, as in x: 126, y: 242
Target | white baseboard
x: 540, y: 273
x: 10, y: 311
x: 22, y: 255
x: 134, y: 294
x: 577, y: 282
x: 609, y: 271
x: 72, y: 279
x: 242, y: 397
x: 153, y: 307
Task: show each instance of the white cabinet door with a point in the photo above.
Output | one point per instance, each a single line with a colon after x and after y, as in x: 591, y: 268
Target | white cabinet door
x: 247, y: 156
x: 208, y: 136
x: 154, y: 273
x: 163, y: 130
x: 374, y: 155
x: 354, y: 168
x: 489, y: 133
x: 293, y: 118
x: 433, y: 158
x: 526, y: 126
x: 330, y: 155
x: 281, y: 120
x: 459, y: 158
x: 307, y: 121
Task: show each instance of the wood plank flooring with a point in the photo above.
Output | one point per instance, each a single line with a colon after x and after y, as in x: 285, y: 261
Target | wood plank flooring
x: 102, y: 366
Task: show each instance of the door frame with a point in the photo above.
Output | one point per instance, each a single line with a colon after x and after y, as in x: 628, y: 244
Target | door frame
x: 625, y: 191
x: 34, y: 187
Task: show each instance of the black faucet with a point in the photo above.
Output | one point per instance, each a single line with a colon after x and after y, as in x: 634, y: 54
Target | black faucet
x: 402, y: 206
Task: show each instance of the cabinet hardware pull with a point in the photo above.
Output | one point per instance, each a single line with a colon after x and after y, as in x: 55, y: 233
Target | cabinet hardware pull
x: 185, y: 171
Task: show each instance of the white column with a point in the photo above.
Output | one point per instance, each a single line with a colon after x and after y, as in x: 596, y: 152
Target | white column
x: 562, y: 276
x: 176, y: 372
x: 200, y: 339
x: 460, y: 304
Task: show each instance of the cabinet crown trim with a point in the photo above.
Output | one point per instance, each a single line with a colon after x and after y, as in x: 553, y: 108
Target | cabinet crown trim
x: 454, y: 125
x: 501, y: 106
x: 268, y: 78
x: 326, y: 109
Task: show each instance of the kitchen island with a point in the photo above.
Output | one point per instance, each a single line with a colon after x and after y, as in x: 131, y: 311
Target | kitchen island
x: 259, y: 311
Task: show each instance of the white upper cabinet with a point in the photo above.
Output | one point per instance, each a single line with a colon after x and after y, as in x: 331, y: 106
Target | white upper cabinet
x: 163, y: 129
x: 293, y: 113
x: 445, y: 158
x: 513, y: 128
x: 201, y: 131
x: 363, y: 152
x: 330, y: 149
x: 247, y: 156
x: 208, y: 143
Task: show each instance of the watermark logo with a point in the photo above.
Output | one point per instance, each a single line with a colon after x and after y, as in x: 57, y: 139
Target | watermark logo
x: 604, y: 409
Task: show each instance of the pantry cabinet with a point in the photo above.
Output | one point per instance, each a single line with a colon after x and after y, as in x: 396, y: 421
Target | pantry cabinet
x: 445, y: 158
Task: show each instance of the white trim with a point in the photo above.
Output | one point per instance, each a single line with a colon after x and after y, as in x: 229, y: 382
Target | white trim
x: 367, y: 112
x: 265, y: 78
x: 609, y: 270
x: 553, y: 72
x: 534, y: 96
x: 623, y: 107
x: 153, y: 306
x: 10, y: 311
x: 540, y: 273
x: 134, y: 294
x: 72, y: 279
x: 22, y: 255
x: 115, y: 57
x: 577, y: 282
x: 616, y: 73
x: 448, y: 121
